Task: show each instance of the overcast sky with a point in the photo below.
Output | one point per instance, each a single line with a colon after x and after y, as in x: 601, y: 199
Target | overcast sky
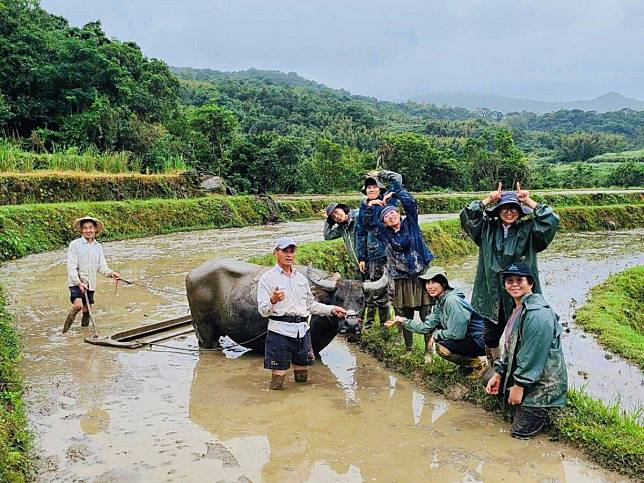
x: 540, y: 49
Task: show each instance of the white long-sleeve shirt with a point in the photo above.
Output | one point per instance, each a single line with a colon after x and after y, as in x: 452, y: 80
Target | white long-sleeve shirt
x: 84, y: 259
x: 298, y: 300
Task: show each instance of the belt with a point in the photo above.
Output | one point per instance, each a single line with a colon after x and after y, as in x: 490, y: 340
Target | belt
x: 294, y: 319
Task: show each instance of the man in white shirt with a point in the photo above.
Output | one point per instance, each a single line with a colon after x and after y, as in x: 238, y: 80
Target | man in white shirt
x: 285, y: 298
x: 84, y: 258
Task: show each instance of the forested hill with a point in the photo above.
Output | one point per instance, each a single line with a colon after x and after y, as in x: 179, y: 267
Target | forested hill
x: 72, y: 88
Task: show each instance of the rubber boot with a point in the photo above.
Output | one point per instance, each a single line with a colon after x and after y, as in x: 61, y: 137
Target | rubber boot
x: 492, y: 355
x: 383, y: 315
x: 85, y: 320
x: 369, y: 317
x: 301, y: 375
x: 277, y: 382
x: 408, y: 335
x: 71, y: 316
x: 471, y: 367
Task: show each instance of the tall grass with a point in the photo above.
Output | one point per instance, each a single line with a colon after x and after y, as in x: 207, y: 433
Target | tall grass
x: 15, y: 159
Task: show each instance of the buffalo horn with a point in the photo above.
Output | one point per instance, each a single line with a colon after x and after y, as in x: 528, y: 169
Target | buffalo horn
x: 378, y: 284
x: 320, y: 282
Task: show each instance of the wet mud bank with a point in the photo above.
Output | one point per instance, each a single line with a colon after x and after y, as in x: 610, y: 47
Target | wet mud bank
x: 102, y: 414
x: 28, y: 229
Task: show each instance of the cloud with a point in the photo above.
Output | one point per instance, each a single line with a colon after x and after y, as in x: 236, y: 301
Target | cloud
x: 531, y: 48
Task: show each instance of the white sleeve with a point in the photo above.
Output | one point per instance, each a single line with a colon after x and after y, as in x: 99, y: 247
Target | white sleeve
x: 102, y: 264
x: 72, y: 265
x: 264, y: 292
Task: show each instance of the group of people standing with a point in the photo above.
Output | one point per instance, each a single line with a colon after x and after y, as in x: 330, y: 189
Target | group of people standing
x: 528, y: 372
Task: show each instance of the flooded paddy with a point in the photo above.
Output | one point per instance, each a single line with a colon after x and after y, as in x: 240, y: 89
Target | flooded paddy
x: 102, y: 414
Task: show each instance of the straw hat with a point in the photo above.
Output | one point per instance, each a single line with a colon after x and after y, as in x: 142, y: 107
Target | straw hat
x: 97, y: 223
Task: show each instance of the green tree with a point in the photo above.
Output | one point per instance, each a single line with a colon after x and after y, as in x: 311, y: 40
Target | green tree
x: 626, y: 174
x: 581, y: 146
x: 219, y: 126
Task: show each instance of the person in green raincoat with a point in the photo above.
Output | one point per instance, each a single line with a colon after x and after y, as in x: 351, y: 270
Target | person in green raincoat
x: 532, y: 371
x: 504, y: 236
x: 454, y: 326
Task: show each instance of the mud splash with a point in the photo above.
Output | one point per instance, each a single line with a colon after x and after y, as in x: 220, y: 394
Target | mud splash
x: 156, y: 415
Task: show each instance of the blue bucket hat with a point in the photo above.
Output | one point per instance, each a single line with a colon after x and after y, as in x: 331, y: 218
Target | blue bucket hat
x: 508, y: 198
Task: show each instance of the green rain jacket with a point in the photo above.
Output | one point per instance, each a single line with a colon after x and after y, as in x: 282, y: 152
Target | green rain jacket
x: 534, y: 359
x: 451, y: 319
x: 527, y: 237
x: 348, y: 233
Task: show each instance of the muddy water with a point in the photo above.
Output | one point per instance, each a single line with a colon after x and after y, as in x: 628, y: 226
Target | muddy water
x: 103, y: 414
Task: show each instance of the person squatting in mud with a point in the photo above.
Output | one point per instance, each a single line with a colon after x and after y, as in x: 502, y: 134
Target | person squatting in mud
x: 504, y: 237
x: 454, y: 326
x: 84, y: 258
x: 347, y: 221
x: 372, y: 258
x: 285, y: 298
x: 531, y: 376
x: 407, y: 254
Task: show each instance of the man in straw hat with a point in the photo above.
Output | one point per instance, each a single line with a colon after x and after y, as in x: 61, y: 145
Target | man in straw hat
x: 84, y: 258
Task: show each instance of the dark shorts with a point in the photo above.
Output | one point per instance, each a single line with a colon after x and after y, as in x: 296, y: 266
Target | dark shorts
x: 75, y: 293
x: 280, y: 351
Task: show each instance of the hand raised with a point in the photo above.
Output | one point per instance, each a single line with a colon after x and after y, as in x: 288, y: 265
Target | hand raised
x: 522, y: 195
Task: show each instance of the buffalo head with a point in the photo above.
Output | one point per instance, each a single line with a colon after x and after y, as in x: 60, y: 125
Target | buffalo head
x: 349, y: 294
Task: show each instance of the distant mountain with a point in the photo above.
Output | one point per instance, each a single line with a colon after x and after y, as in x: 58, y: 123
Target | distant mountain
x: 611, y: 101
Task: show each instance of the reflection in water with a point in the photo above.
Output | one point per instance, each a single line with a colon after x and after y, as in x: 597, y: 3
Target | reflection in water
x: 417, y: 405
x: 109, y: 415
x: 392, y: 385
x: 343, y: 367
x: 440, y: 407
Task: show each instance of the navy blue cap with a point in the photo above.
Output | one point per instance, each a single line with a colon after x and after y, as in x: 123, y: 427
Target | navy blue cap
x: 518, y: 268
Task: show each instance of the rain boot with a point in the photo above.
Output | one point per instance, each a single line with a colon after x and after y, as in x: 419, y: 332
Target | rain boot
x: 301, y: 375
x: 71, y: 316
x: 408, y: 335
x: 369, y: 317
x: 85, y: 320
x: 467, y: 366
x: 383, y: 315
x: 277, y: 382
x: 492, y: 355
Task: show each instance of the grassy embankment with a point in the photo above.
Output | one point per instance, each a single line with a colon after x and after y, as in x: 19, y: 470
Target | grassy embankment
x: 15, y: 440
x: 69, y: 186
x: 35, y: 228
x: 614, y: 313
x: 612, y: 438
x: 57, y: 187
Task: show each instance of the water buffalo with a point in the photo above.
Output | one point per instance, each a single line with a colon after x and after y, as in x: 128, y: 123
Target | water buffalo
x: 222, y: 294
